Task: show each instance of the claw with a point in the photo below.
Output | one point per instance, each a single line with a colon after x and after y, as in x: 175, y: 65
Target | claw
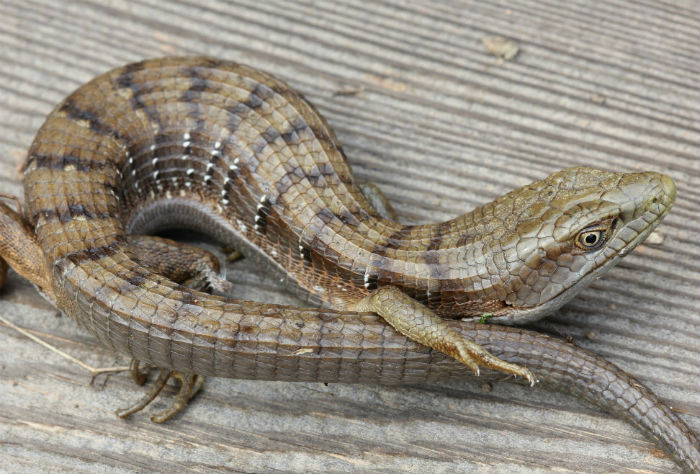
x: 160, y: 382
x: 215, y: 282
x: 473, y: 356
x: 469, y: 361
x: 189, y: 386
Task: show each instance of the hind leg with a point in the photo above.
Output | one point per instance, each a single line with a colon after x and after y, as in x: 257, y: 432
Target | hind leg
x: 189, y: 266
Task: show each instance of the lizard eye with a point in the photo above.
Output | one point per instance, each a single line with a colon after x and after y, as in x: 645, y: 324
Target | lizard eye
x: 593, y: 237
x: 591, y: 240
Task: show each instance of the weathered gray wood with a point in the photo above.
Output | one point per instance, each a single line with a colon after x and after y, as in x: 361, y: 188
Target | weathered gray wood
x: 441, y: 126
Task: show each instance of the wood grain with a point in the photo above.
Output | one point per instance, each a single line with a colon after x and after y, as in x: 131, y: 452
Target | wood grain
x: 426, y: 113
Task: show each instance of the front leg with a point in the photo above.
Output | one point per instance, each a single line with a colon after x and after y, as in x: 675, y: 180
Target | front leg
x: 182, y: 263
x: 19, y: 248
x: 419, y: 323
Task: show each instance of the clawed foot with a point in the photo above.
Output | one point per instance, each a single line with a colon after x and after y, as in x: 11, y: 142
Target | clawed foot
x: 421, y: 324
x: 190, y: 384
x: 473, y: 355
x: 208, y: 279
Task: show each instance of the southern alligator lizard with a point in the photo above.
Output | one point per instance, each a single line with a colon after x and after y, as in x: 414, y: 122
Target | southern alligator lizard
x: 234, y: 152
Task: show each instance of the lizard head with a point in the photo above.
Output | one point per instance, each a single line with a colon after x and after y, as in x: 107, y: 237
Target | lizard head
x: 568, y: 229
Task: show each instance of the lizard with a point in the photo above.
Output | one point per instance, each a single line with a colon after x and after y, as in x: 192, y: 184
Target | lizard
x: 234, y: 152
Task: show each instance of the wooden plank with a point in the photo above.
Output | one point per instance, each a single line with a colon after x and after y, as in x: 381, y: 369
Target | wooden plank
x: 425, y: 112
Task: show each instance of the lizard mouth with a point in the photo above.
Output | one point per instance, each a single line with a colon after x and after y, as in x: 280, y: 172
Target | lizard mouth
x: 656, y: 208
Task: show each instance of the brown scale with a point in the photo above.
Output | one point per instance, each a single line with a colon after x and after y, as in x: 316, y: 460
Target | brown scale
x: 263, y: 171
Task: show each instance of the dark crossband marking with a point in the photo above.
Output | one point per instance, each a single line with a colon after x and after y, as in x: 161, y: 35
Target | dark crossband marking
x: 126, y: 81
x: 165, y: 147
x: 326, y: 215
x: 322, y: 173
x: 258, y: 96
x: 292, y: 176
x: 136, y: 279
x: 74, y: 112
x: 68, y: 162
x: 319, y: 174
x: 234, y: 168
x: 93, y: 253
x: 347, y: 217
x: 437, y: 270
x: 297, y: 128
x: 193, y: 96
x: 212, y: 163
x: 393, y: 242
x: 263, y: 210
x: 231, y: 175
x: 253, y: 101
x: 304, y: 252
x: 113, y: 190
x: 370, y: 279
x: 237, y: 114
x: 186, y: 145
x: 215, y: 153
x: 69, y: 213
x: 270, y: 135
x: 198, y: 84
x: 225, y: 192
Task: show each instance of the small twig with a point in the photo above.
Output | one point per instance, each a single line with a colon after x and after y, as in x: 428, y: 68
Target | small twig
x: 93, y: 371
x: 233, y: 256
x: 348, y: 91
